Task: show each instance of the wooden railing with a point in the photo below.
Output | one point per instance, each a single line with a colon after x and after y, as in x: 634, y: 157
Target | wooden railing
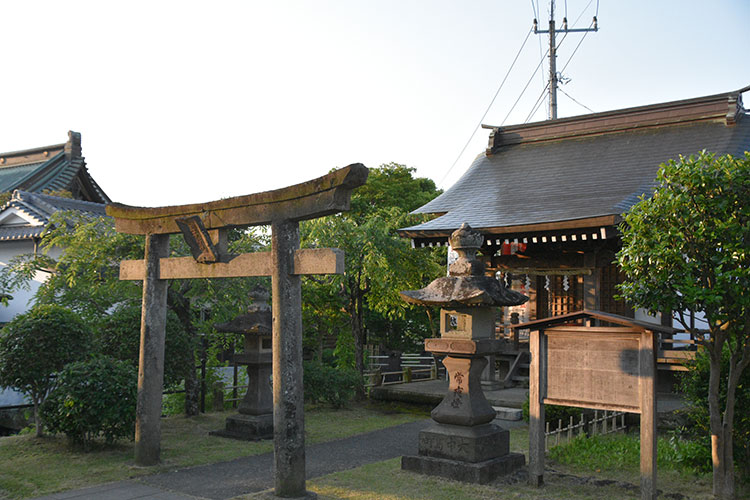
x: 602, y: 423
x: 414, y: 368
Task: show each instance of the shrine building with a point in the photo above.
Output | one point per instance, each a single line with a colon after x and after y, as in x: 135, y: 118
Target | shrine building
x: 548, y: 196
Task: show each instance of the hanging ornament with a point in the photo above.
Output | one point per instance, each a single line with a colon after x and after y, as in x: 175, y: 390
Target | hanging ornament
x: 507, y: 280
x: 546, y: 283
x: 528, y: 282
x: 566, y: 286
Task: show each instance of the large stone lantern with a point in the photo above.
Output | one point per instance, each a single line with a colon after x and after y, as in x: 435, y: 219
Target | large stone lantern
x: 255, y: 418
x: 463, y: 443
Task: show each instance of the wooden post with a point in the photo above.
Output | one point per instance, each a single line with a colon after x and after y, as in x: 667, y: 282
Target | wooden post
x: 151, y: 356
x: 288, y: 397
x: 537, y: 391
x: 647, y: 383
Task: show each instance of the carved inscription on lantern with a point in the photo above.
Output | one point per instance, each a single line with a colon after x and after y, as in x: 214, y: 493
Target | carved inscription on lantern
x: 451, y: 346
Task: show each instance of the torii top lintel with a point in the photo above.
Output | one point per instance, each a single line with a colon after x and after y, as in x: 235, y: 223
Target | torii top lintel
x: 325, y: 195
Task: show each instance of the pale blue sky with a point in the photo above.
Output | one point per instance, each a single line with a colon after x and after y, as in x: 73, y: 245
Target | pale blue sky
x: 186, y: 101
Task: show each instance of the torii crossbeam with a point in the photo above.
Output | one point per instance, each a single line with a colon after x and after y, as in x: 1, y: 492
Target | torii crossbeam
x: 204, y: 226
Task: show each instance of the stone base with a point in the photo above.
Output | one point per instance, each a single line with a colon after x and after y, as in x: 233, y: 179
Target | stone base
x: 464, y: 444
x: 247, y: 427
x: 504, y: 413
x: 478, y: 473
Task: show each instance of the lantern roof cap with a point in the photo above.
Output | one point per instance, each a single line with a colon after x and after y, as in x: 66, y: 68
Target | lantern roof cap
x: 258, y: 319
x: 466, y: 285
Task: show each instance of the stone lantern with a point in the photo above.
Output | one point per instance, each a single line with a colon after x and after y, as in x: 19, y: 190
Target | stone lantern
x: 463, y: 443
x: 255, y: 418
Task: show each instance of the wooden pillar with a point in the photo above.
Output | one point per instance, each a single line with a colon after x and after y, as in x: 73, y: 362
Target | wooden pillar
x: 592, y: 284
x: 151, y: 357
x: 537, y: 392
x: 647, y: 383
x: 288, y: 395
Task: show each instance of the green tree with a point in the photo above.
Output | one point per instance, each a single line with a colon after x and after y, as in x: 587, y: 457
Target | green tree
x: 686, y: 249
x: 85, y: 278
x: 35, y: 346
x: 378, y: 262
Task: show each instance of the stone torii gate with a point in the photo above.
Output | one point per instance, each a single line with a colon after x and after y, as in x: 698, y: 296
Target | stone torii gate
x: 204, y: 227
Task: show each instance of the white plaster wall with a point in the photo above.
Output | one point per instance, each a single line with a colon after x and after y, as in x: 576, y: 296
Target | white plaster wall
x: 22, y: 299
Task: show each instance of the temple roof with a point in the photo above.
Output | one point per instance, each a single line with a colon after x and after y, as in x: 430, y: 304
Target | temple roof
x: 26, y: 215
x: 51, y: 168
x: 581, y: 171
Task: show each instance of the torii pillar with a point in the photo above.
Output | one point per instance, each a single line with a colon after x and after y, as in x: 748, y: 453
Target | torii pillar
x: 204, y: 227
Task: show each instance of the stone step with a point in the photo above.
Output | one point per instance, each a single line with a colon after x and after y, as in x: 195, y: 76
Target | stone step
x: 504, y: 413
x: 521, y: 378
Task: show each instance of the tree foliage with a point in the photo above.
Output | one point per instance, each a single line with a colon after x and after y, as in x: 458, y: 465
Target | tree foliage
x: 118, y: 336
x: 378, y: 262
x: 686, y: 249
x: 35, y: 346
x: 85, y: 278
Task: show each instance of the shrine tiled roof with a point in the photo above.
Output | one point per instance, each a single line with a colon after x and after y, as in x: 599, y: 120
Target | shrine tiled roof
x: 33, y: 211
x: 587, y: 167
x: 59, y: 167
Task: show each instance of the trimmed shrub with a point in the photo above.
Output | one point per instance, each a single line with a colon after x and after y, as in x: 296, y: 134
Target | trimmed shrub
x: 38, y: 344
x: 93, y: 398
x: 335, y: 386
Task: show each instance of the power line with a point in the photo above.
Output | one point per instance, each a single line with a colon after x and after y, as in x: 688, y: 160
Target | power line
x: 526, y: 87
x: 576, y: 49
x: 539, y: 101
x: 488, y: 107
x: 572, y: 99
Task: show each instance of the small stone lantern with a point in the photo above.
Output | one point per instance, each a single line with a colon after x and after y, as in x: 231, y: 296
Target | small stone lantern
x: 255, y: 418
x: 463, y: 443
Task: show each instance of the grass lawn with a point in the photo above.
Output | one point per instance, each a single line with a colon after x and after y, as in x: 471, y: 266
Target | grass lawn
x: 32, y: 467
x: 386, y: 481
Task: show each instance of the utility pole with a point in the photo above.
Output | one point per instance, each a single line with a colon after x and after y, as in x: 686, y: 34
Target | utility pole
x: 553, y: 76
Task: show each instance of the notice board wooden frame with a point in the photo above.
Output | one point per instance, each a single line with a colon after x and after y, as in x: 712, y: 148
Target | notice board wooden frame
x: 609, y: 368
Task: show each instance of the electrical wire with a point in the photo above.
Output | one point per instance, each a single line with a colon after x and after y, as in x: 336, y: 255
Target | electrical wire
x: 576, y: 49
x: 525, y: 87
x: 572, y: 99
x: 536, y: 16
x: 479, y: 124
x: 584, y: 11
x: 539, y: 101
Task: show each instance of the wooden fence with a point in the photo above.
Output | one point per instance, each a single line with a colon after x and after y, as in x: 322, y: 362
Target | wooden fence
x: 605, y: 422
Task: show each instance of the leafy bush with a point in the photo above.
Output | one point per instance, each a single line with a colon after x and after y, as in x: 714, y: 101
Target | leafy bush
x: 622, y: 452
x: 335, y: 386
x: 694, y: 385
x: 35, y: 346
x: 119, y: 337
x: 93, y: 398
x: 694, y: 454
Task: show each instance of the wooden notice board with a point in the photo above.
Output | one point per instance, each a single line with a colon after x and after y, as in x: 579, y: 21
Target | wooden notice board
x: 604, y: 368
x: 595, y: 367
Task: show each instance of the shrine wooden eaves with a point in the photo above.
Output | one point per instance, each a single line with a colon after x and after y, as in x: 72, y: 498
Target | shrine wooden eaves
x: 204, y: 227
